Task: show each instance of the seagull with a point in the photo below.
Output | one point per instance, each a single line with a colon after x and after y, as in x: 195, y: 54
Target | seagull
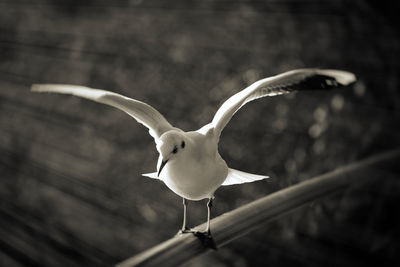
x: 189, y: 162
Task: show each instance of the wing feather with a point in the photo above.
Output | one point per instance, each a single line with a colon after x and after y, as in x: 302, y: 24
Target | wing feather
x: 239, y: 177
x: 142, y: 112
x: 295, y: 80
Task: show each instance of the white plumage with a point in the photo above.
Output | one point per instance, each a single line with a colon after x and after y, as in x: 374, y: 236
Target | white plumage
x: 189, y: 162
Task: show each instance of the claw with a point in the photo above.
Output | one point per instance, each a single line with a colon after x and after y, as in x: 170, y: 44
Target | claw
x: 185, y: 231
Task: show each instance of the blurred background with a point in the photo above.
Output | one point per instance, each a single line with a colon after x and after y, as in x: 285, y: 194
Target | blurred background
x: 71, y: 193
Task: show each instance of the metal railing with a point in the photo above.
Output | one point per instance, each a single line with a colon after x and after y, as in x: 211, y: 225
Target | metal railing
x: 242, y: 220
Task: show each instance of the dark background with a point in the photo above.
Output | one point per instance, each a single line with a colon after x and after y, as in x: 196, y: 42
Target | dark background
x: 71, y: 193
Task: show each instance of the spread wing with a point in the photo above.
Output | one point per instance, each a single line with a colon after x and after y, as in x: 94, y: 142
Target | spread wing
x: 295, y: 80
x: 142, y: 112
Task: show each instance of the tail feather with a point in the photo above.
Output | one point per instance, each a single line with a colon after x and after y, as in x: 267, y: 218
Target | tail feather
x: 239, y: 177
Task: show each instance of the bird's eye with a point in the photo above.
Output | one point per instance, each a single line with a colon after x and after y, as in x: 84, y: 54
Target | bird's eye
x: 175, y: 150
x: 183, y: 144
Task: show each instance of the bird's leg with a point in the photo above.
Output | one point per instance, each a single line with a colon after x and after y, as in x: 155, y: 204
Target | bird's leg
x: 184, y: 202
x: 209, y: 205
x: 184, y: 228
x: 205, y: 237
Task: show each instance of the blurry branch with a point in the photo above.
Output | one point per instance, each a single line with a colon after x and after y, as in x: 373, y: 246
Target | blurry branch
x: 241, y: 221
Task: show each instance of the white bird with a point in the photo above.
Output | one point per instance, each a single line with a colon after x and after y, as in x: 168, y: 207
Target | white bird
x: 189, y: 162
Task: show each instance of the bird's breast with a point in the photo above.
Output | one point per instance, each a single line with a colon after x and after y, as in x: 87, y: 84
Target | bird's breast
x: 195, y: 178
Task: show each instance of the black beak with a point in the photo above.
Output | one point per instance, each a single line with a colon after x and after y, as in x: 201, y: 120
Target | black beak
x: 162, y: 166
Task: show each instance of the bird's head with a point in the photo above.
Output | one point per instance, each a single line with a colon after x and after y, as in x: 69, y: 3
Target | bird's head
x: 171, y: 145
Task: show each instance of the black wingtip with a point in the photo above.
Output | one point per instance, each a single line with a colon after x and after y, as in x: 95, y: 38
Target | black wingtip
x: 319, y: 82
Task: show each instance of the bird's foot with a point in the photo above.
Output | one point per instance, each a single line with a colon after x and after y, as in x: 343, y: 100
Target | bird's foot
x: 185, y: 231
x: 206, y: 239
